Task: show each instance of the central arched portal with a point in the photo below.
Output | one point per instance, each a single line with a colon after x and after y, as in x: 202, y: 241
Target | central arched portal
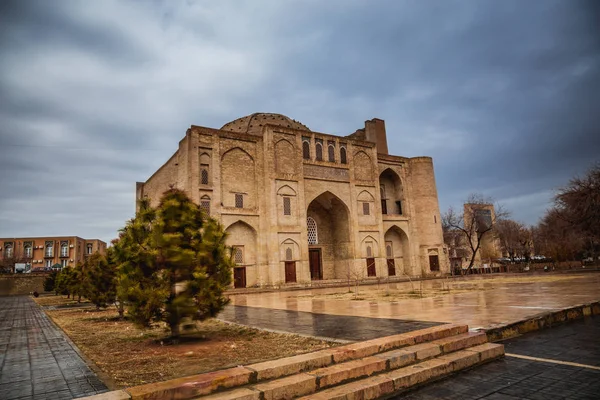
x: 329, y: 247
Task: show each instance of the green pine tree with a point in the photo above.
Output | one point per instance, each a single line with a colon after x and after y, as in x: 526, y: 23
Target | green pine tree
x: 100, y: 280
x: 174, y: 263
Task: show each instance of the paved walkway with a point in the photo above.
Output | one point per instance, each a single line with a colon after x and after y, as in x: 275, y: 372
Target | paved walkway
x: 36, y: 360
x: 322, y: 325
x: 514, y: 378
x: 489, y: 300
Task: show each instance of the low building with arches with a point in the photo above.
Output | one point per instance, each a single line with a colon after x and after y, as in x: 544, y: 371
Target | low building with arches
x: 301, y: 206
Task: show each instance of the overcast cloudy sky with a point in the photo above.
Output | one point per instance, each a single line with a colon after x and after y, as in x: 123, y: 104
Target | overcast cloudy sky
x: 95, y: 95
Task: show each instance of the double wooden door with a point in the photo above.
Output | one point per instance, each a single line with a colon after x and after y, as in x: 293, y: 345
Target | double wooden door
x: 391, y: 267
x: 239, y: 277
x: 316, y: 269
x: 371, y: 267
x: 290, y: 271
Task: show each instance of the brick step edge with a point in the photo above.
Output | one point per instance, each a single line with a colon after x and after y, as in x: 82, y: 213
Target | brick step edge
x: 400, y: 380
x: 338, y: 374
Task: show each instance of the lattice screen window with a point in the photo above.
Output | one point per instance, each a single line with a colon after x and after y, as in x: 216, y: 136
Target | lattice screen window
x: 238, y: 254
x: 204, y: 174
x: 369, y: 251
x: 306, y: 150
x: 366, y: 208
x: 239, y: 200
x: 319, y: 152
x: 343, y: 159
x: 311, y: 226
x: 289, y: 255
x: 287, y: 206
x: 205, y: 204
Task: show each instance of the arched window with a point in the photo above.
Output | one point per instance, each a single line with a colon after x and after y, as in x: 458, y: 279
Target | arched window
x: 306, y: 150
x: 369, y: 252
x: 331, y: 152
x: 343, y: 155
x: 64, y: 249
x: 49, y: 249
x: 89, y: 248
x: 204, y: 175
x: 8, y: 250
x: 28, y: 250
x: 311, y: 226
x: 205, y: 204
x: 319, y: 152
x: 289, y: 256
x: 388, y: 251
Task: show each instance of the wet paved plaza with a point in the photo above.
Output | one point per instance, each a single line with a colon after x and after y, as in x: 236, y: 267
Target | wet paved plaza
x: 515, y: 378
x: 36, y: 360
x: 321, y: 325
x: 498, y: 299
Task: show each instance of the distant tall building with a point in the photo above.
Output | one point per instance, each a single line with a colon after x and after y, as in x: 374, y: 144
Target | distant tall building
x: 48, y: 251
x: 300, y: 205
x: 476, y: 218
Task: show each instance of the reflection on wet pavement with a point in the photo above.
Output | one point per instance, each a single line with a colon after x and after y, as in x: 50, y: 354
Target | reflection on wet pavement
x: 321, y: 325
x: 499, y: 299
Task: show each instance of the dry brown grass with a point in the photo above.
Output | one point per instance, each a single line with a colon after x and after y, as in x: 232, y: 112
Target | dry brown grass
x: 131, y: 356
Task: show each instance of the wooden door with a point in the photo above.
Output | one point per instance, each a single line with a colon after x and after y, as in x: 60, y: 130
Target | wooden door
x: 290, y: 271
x: 314, y: 259
x: 434, y: 263
x: 371, y: 267
x: 239, y: 277
x: 391, y: 267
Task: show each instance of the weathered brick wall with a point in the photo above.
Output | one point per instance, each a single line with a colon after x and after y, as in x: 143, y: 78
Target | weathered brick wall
x: 161, y: 180
x: 17, y: 284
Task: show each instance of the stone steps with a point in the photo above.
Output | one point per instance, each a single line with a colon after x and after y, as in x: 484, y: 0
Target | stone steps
x: 368, y: 369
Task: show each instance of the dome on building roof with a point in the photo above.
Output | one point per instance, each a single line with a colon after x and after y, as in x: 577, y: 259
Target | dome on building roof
x: 253, y: 123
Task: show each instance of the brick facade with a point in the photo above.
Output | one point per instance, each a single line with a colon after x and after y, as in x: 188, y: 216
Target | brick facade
x: 265, y: 176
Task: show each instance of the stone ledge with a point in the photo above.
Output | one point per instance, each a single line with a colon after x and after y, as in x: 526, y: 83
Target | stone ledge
x: 541, y: 321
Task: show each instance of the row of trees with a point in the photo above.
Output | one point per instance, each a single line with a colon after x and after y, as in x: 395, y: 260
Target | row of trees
x: 170, y: 264
x: 570, y: 229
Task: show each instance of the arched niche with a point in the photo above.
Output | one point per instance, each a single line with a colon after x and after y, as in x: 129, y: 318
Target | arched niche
x: 397, y: 249
x: 392, y: 193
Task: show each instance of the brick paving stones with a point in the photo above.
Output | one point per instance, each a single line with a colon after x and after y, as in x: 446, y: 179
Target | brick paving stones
x: 36, y: 360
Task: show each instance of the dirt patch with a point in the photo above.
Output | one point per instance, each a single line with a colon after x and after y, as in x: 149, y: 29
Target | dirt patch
x: 131, y: 356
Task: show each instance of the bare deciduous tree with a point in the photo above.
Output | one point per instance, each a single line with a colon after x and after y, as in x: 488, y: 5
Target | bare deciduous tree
x: 515, y: 238
x: 474, y: 224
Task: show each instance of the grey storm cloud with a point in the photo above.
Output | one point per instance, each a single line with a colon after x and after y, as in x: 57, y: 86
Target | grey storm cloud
x: 95, y: 96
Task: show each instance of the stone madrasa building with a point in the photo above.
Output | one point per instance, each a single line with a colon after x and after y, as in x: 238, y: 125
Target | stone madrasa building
x: 301, y: 206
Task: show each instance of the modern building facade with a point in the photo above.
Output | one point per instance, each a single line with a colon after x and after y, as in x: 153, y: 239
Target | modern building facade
x: 300, y: 206
x: 48, y: 251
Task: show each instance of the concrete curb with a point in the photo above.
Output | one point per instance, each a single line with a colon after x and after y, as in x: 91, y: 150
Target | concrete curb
x: 541, y: 321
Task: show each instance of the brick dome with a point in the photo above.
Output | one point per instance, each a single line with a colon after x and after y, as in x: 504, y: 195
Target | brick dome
x: 253, y: 123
